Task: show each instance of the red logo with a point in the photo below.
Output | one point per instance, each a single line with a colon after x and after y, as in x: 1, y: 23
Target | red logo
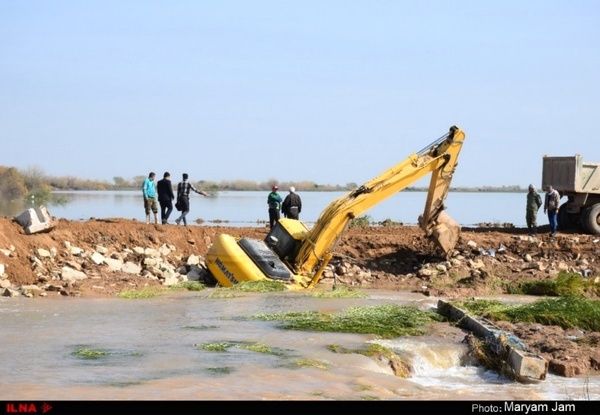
x: 26, y: 407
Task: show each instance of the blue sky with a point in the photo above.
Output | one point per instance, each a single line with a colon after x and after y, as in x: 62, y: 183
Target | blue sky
x: 327, y: 91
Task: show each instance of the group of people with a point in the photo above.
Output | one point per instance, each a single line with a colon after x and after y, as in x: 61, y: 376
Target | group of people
x: 551, y: 206
x: 291, y: 206
x: 162, y: 193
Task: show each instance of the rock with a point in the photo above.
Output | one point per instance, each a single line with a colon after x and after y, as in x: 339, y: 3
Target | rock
x: 114, y: 264
x: 101, y: 249
x: 8, y: 292
x: 97, y: 258
x: 36, y: 220
x: 69, y: 274
x: 131, y: 268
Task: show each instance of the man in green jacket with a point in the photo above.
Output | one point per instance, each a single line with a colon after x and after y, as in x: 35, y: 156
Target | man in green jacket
x: 274, y: 201
x: 534, y: 202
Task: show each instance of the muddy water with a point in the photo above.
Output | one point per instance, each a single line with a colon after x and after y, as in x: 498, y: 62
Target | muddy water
x: 153, y: 352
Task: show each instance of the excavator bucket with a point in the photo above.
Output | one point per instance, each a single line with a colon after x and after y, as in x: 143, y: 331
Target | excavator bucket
x: 445, y: 233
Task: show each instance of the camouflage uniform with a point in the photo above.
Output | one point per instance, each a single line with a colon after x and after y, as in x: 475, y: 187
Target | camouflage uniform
x: 534, y: 202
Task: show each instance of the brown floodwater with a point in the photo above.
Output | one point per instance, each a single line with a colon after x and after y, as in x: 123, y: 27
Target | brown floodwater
x: 152, y: 349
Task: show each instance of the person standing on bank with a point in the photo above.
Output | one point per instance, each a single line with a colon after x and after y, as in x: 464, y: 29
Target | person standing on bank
x: 149, y: 192
x: 534, y: 202
x: 551, y: 205
x: 292, y: 205
x: 183, y: 198
x: 165, y: 197
x: 274, y: 201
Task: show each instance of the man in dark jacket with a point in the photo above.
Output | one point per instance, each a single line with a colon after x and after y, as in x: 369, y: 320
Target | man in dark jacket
x: 183, y: 198
x: 165, y: 197
x: 292, y: 205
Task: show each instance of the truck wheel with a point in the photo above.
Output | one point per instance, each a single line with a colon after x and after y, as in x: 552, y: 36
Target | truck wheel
x: 590, y: 219
x: 565, y: 219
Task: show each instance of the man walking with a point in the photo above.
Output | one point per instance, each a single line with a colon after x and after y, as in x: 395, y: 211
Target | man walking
x: 551, y: 204
x: 183, y: 198
x: 165, y: 197
x: 149, y: 192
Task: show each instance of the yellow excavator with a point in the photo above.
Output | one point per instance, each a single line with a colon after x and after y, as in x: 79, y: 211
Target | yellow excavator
x: 297, y: 256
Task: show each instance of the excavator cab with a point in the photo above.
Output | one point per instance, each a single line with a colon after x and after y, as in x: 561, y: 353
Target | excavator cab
x: 285, y: 237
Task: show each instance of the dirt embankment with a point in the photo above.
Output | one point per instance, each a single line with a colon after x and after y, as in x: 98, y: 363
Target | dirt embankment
x: 399, y: 258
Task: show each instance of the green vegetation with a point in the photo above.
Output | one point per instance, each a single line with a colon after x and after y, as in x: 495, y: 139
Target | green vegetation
x: 565, y: 284
x: 366, y: 220
x: 30, y: 185
x: 566, y: 312
x: 253, y: 347
x: 216, y: 347
x: 361, y: 222
x: 340, y: 292
x: 224, y: 370
x: 265, y: 286
x: 318, y: 364
x: 200, y: 327
x: 188, y: 285
x: 146, y: 292
x: 149, y: 292
x: 385, y: 321
x: 89, y: 353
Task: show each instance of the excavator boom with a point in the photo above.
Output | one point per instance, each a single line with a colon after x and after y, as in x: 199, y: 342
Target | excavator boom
x: 439, y: 158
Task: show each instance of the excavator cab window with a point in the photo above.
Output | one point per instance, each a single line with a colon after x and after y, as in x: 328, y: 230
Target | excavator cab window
x: 282, y: 242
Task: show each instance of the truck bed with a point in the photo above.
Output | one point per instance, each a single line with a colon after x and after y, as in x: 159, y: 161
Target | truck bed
x: 570, y: 174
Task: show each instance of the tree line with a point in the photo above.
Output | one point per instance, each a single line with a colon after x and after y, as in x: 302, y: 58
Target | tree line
x: 33, y: 182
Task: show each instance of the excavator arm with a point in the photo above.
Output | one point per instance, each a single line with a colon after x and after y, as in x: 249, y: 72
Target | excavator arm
x: 439, y: 158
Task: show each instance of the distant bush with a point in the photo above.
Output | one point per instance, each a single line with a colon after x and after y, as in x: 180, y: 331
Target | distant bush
x: 361, y: 222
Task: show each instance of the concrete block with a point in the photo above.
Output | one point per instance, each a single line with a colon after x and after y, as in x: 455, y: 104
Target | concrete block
x: 526, y: 367
x: 36, y: 220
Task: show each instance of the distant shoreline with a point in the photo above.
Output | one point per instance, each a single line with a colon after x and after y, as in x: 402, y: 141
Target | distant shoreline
x: 408, y: 189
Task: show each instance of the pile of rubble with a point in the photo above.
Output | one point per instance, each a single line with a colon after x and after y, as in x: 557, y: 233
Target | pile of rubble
x: 61, y: 271
x: 525, y: 256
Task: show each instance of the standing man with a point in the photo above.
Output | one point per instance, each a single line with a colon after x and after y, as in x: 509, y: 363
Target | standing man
x: 165, y: 197
x: 534, y: 202
x: 183, y: 197
x: 149, y: 192
x: 292, y: 205
x: 551, y: 204
x: 274, y: 202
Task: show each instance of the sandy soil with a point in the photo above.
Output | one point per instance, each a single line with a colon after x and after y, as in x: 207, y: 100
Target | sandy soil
x: 388, y: 257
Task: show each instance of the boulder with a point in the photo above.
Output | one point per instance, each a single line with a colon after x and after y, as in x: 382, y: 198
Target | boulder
x: 36, y: 220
